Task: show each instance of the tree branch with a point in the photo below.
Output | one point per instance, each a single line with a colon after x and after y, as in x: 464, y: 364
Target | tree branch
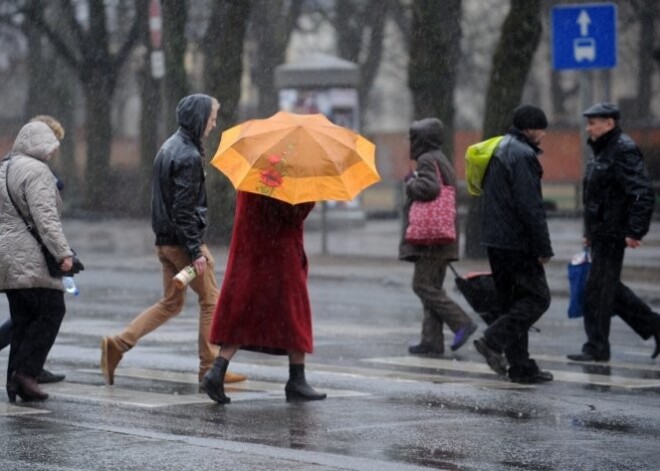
x: 401, y: 16
x: 70, y: 16
x: 372, y: 61
x: 291, y: 19
x: 35, y: 16
x: 133, y: 35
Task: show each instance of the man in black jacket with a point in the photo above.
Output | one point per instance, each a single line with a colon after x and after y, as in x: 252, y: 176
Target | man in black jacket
x: 178, y: 219
x: 515, y: 233
x: 618, y: 202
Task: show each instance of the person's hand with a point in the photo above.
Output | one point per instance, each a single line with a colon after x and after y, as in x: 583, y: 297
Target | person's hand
x: 544, y: 260
x: 633, y: 243
x: 411, y: 175
x: 200, y: 265
x: 67, y: 264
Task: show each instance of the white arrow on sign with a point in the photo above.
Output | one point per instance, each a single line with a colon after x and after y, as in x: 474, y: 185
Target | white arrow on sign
x: 584, y: 21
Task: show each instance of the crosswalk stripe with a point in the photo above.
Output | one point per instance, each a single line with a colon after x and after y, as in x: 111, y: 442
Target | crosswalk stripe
x: 481, y: 368
x: 7, y: 409
x: 248, y: 386
x: 260, y: 390
x: 612, y: 364
x: 117, y: 395
x: 243, y: 391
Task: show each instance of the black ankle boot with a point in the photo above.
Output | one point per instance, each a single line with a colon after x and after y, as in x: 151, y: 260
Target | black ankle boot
x: 12, y: 390
x: 213, y: 381
x: 297, y: 389
x: 656, y: 352
x: 26, y: 387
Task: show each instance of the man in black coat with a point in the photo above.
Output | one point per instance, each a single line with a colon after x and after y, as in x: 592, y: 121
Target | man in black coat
x: 515, y: 233
x: 178, y: 219
x: 618, y: 202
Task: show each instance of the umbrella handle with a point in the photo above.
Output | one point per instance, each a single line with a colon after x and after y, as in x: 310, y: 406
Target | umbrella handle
x: 451, y: 267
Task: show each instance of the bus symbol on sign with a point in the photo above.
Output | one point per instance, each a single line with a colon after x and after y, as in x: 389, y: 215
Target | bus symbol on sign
x: 584, y: 36
x: 584, y: 49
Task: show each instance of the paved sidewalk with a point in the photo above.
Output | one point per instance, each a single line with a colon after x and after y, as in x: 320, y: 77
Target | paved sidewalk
x: 368, y: 252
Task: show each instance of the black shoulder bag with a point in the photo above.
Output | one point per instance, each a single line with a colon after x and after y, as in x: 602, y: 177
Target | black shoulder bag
x: 53, y: 265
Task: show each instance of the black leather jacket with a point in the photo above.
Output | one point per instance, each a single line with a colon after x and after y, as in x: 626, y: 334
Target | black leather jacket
x: 618, y: 195
x: 178, y: 198
x: 513, y: 216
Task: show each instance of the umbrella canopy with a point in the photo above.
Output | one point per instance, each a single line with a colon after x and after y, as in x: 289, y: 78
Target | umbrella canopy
x: 297, y: 158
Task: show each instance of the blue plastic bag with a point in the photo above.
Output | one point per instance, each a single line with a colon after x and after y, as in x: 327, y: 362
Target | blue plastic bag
x: 578, y: 271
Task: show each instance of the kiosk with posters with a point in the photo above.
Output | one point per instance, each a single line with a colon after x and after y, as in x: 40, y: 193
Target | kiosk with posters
x: 324, y: 84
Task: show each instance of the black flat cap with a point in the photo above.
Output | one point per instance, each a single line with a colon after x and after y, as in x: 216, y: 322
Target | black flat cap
x: 602, y: 110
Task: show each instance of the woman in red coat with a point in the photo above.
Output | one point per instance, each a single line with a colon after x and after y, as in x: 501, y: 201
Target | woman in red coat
x: 264, y: 303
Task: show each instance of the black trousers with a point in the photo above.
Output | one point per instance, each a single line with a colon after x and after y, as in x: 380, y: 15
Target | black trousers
x: 5, y: 333
x: 524, y: 294
x: 606, y: 296
x: 36, y: 315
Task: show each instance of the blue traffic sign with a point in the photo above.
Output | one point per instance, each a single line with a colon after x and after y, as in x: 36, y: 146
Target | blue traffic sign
x: 584, y: 36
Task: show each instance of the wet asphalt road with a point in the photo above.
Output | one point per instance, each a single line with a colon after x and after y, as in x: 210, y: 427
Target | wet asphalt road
x: 386, y: 409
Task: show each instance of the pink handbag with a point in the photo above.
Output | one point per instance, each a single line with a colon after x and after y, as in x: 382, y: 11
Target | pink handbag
x: 433, y: 222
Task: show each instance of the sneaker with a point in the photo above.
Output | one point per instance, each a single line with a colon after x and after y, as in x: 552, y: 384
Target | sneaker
x: 462, y: 335
x: 539, y: 377
x: 111, y: 355
x: 495, y: 360
x: 424, y: 349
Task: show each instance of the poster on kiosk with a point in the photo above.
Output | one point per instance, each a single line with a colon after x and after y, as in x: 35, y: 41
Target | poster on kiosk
x: 339, y: 105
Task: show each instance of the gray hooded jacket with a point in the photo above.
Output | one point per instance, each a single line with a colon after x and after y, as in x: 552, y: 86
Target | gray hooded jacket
x: 34, y: 190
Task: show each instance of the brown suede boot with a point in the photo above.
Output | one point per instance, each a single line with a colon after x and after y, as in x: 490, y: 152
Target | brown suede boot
x: 111, y: 355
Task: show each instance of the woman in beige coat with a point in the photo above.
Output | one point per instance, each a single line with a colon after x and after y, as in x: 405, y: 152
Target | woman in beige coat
x: 36, y: 299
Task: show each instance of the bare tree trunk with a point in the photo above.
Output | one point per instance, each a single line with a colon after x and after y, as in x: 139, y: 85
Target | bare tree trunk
x: 90, y: 56
x: 434, y: 51
x: 39, y: 73
x: 647, y: 12
x: 100, y: 182
x: 272, y: 22
x: 50, y: 92
x: 175, y: 16
x: 150, y: 96
x: 351, y: 20
x: 521, y: 33
x: 223, y: 68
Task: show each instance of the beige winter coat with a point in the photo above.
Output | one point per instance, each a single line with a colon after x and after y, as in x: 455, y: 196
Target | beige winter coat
x: 33, y: 188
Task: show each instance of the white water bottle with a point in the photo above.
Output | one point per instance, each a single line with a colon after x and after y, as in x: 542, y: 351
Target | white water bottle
x: 185, y: 276
x: 70, y: 285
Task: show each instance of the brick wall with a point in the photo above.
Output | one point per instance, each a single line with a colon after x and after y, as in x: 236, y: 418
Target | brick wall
x: 561, y: 159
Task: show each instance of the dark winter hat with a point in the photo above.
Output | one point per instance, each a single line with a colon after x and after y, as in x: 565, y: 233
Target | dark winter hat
x: 529, y: 117
x: 602, y: 110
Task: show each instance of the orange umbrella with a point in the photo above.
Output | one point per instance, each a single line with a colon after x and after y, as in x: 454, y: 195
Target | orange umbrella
x: 297, y: 158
